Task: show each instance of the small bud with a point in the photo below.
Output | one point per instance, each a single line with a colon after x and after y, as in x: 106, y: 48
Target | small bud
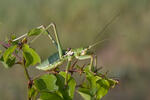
x: 24, y: 40
x: 30, y: 83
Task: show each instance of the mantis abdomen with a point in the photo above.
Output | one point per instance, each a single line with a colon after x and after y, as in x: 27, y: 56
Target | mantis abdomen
x: 51, y: 62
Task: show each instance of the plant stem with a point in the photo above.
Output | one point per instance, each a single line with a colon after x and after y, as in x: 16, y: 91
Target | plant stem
x: 29, y: 80
x: 67, y: 69
x: 26, y: 73
x: 35, y: 95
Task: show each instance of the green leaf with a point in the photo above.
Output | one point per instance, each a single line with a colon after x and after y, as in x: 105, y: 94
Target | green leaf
x: 98, y: 86
x: 10, y: 62
x: 101, y: 92
x: 36, y: 31
x: 46, y: 83
x: 66, y: 91
x: 8, y: 53
x: 85, y: 93
x: 103, y: 83
x: 72, y: 85
x: 31, y: 92
x: 92, y: 81
x: 13, y: 36
x: 31, y: 57
x: 28, y: 59
x: 103, y: 87
x: 50, y: 96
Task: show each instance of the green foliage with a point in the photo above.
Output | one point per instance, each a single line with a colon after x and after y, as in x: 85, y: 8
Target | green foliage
x: 85, y: 93
x: 54, y: 86
x: 66, y: 91
x: 58, y: 84
x: 95, y: 87
x: 36, y: 31
x: 8, y: 53
x: 50, y: 96
x: 9, y: 63
x: 32, y: 92
x: 8, y: 59
x: 13, y: 36
x: 30, y: 56
x: 46, y: 83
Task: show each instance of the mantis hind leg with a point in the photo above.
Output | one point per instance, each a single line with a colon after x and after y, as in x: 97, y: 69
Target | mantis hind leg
x: 57, y: 42
x: 46, y: 30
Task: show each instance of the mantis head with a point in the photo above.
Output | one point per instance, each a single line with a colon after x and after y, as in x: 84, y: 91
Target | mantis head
x: 80, y: 51
x: 86, y: 50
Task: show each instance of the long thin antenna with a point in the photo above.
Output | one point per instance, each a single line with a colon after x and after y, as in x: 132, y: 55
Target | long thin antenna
x: 96, y: 43
x: 107, y: 24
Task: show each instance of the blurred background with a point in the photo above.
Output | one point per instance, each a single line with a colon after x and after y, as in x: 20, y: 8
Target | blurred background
x: 125, y: 54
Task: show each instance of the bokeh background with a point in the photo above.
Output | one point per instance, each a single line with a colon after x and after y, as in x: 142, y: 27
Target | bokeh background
x: 126, y: 53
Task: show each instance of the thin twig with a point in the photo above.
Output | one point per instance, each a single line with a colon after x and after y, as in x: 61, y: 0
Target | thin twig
x: 26, y: 73
x: 4, y: 44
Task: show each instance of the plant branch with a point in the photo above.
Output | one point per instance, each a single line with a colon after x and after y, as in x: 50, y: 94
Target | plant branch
x: 4, y: 44
x: 30, y: 82
x: 26, y: 73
